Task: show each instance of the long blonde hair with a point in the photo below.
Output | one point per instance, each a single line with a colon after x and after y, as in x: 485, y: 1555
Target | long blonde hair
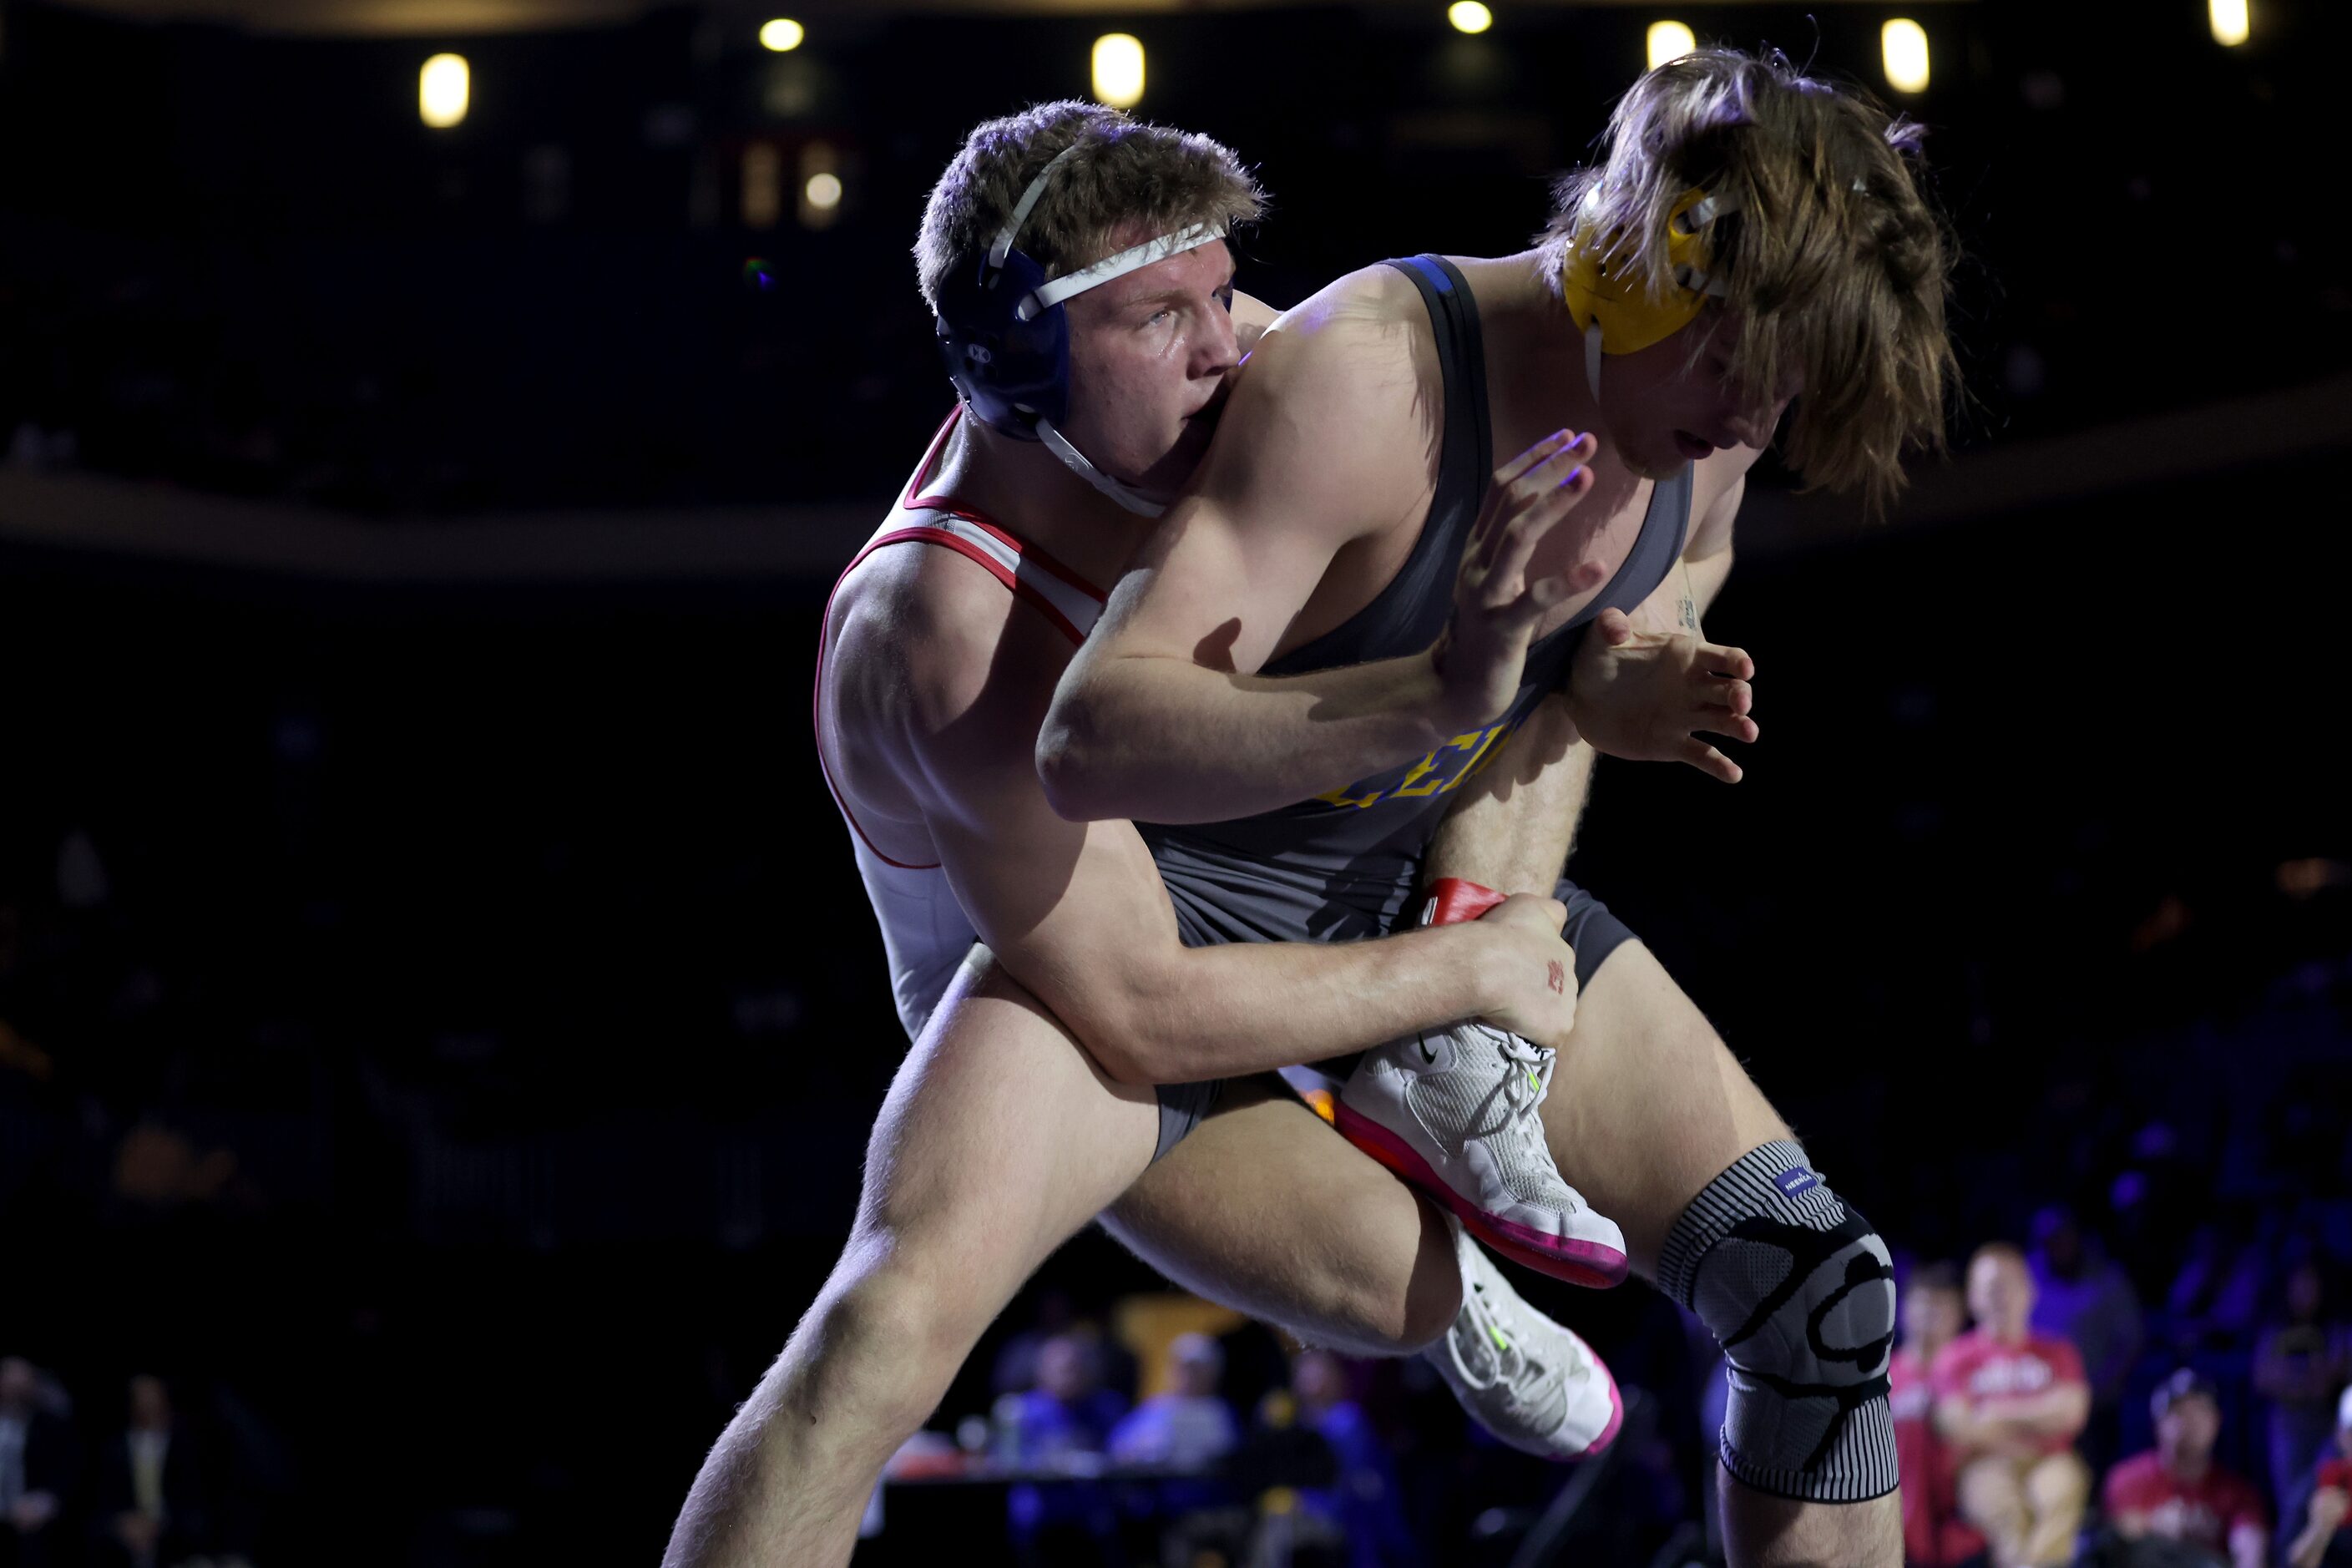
x: 1835, y: 265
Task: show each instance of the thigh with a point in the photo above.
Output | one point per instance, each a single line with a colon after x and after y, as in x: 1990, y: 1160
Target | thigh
x: 998, y: 1139
x: 1267, y: 1210
x: 1647, y: 1105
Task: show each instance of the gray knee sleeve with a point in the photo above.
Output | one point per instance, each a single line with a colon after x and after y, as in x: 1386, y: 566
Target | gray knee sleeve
x: 1800, y: 1292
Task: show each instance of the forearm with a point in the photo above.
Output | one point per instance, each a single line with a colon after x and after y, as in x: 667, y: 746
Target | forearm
x: 2326, y: 1512
x: 1165, y: 740
x: 1514, y: 827
x: 2058, y: 1412
x: 1236, y: 1009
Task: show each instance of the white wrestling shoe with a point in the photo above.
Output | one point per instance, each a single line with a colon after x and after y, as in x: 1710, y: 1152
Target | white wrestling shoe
x: 1453, y: 1111
x: 1523, y: 1377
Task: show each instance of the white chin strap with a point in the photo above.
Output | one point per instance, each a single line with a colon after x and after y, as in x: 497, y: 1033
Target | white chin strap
x: 1143, y: 504
x: 1045, y: 296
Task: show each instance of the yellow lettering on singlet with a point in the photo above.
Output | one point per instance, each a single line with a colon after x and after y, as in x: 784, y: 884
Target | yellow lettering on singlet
x: 1341, y: 797
x: 1427, y: 765
x: 1423, y: 777
x: 1496, y: 739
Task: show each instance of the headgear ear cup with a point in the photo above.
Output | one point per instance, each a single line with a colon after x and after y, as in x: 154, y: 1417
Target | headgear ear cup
x: 1609, y: 301
x: 1011, y: 372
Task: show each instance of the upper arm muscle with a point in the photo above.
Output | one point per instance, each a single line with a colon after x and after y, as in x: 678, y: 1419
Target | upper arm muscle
x: 1076, y: 912
x: 1324, y: 442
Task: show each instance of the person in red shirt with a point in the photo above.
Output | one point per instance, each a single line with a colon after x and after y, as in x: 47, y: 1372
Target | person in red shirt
x: 2008, y: 1405
x: 1934, y: 1312
x: 2333, y: 1500
x: 2176, y: 1491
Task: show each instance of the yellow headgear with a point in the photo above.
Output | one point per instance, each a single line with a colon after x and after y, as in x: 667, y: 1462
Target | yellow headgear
x: 1607, y: 299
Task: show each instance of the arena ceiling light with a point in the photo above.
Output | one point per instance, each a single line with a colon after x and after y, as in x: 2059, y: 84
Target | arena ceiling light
x: 1469, y: 17
x: 1119, y: 69
x: 2231, y: 24
x: 782, y: 35
x: 1904, y: 45
x: 443, y: 88
x: 1669, y: 41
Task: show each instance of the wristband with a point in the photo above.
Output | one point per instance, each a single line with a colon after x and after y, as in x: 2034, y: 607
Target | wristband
x: 1453, y: 899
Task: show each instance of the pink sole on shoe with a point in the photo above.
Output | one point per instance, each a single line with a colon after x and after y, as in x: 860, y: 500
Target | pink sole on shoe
x: 1586, y: 1263
x: 1616, y: 1420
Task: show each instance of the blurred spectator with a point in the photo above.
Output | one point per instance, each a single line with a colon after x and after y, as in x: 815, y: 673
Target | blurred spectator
x: 151, y: 1507
x: 2011, y: 1403
x: 2176, y: 1493
x: 1061, y: 1426
x: 1015, y: 1371
x: 2299, y: 1364
x: 1933, y: 1312
x: 36, y: 1467
x: 2323, y: 1537
x: 1363, y: 1501
x: 2081, y: 1296
x: 1190, y: 1428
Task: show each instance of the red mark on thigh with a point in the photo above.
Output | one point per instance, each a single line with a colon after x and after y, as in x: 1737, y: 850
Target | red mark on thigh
x: 1558, y: 978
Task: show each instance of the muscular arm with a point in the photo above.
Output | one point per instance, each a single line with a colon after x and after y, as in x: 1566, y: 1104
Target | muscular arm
x: 1077, y: 912
x: 1162, y: 715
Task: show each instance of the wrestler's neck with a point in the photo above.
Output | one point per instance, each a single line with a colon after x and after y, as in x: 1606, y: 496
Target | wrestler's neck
x: 1535, y: 358
x: 1030, y: 492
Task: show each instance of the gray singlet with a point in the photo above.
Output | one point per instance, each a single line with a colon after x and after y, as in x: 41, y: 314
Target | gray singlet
x: 1346, y: 865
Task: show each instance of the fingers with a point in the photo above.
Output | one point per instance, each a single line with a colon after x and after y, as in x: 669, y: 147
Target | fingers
x: 1514, y: 545
x: 1535, y: 500
x: 1708, y: 759
x: 1616, y: 628
x: 1730, y: 696
x: 1548, y: 447
x: 1732, y: 662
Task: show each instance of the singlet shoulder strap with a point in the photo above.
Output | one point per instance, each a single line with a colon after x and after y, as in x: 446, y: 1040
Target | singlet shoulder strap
x: 1063, y: 597
x: 1055, y: 592
x: 1461, y: 360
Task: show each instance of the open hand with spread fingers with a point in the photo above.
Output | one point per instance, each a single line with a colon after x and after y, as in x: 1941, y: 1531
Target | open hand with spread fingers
x: 1497, y: 604
x: 1649, y: 696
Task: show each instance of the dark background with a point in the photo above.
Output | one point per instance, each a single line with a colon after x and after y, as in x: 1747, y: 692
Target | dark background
x: 440, y: 1021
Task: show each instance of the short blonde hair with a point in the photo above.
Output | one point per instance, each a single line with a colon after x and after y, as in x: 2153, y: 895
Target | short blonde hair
x: 1835, y: 265
x: 1124, y: 170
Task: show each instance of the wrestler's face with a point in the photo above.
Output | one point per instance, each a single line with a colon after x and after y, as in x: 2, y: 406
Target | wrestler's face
x: 1664, y: 408
x: 1149, y: 356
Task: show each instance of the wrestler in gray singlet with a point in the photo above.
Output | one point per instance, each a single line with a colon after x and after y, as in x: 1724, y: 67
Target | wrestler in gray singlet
x: 1346, y: 865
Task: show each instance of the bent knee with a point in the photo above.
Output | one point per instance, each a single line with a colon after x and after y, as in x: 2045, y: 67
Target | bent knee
x: 890, y: 1328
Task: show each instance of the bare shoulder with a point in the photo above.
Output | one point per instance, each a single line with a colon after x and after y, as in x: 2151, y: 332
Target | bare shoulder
x: 1335, y: 408
x: 933, y: 651
x: 1365, y: 332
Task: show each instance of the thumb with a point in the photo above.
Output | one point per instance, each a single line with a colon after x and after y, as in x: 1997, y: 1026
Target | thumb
x: 1615, y: 627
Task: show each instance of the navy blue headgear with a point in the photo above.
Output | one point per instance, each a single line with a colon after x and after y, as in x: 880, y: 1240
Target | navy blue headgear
x: 1011, y: 372
x: 1006, y: 339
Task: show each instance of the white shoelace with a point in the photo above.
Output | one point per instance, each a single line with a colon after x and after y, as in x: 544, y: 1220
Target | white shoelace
x: 1525, y: 1382
x: 1527, y: 1079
